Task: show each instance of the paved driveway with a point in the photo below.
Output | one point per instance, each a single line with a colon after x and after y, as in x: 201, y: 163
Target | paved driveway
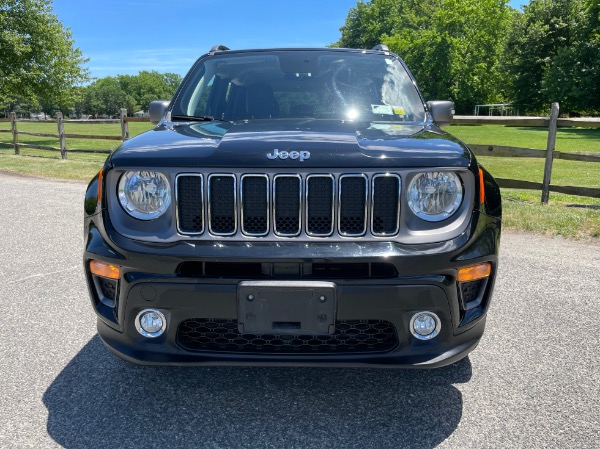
x: 533, y: 382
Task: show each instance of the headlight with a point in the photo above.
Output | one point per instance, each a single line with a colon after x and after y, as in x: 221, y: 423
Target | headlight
x: 144, y: 194
x: 435, y: 196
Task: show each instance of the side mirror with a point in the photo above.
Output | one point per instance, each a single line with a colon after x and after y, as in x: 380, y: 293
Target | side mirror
x: 157, y: 110
x: 442, y: 112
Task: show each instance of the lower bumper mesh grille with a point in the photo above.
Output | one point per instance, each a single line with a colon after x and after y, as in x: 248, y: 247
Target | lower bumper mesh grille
x: 350, y: 337
x: 470, y: 290
x: 108, y: 287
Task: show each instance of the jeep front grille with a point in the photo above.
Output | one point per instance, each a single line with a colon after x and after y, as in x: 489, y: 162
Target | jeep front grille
x: 222, y: 204
x: 288, y: 205
x: 287, y: 210
x: 190, y: 207
x: 384, y: 208
x: 319, y: 205
x: 255, y: 204
x: 353, y: 205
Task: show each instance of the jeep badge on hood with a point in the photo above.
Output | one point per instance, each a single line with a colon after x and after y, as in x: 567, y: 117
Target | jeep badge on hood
x: 302, y: 155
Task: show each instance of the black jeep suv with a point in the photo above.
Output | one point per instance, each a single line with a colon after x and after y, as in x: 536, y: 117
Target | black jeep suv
x: 293, y: 206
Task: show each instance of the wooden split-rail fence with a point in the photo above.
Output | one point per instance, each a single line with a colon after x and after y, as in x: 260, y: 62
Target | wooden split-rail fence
x: 552, y: 123
x: 62, y: 136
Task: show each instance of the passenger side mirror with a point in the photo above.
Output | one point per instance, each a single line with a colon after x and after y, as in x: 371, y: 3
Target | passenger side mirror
x: 157, y: 110
x: 442, y: 112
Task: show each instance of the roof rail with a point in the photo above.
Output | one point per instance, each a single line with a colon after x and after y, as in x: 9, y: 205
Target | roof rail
x: 219, y: 47
x: 380, y: 47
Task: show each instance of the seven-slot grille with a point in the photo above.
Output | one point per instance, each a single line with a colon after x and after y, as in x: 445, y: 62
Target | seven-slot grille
x: 288, y: 205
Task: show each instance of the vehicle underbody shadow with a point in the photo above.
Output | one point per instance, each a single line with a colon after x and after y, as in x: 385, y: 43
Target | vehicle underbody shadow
x: 100, y: 401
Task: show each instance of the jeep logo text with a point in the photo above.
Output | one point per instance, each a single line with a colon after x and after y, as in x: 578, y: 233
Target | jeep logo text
x: 302, y: 155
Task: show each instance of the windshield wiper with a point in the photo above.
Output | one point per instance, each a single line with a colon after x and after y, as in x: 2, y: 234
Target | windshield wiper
x: 194, y: 118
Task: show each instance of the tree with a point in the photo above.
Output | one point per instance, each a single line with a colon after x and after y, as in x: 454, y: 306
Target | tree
x: 104, y: 96
x: 134, y: 92
x: 573, y: 76
x: 451, y: 46
x: 21, y: 105
x: 149, y: 86
x: 367, y: 23
x: 552, y: 54
x: 38, y: 60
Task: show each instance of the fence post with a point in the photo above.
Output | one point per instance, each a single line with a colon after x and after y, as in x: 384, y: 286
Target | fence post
x: 124, y: 125
x: 61, y: 135
x: 551, y: 145
x: 13, y: 128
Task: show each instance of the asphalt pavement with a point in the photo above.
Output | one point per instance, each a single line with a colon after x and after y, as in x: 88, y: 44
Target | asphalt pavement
x: 533, y: 382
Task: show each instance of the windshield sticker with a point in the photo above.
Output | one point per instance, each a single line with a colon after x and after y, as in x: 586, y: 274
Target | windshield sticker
x: 384, y: 109
x: 386, y: 127
x: 398, y: 110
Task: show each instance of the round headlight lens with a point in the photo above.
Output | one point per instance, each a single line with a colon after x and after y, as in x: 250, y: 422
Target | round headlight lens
x: 144, y: 194
x: 435, y: 196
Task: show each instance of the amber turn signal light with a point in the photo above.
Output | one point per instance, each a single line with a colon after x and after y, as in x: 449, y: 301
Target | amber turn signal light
x: 481, y: 187
x: 475, y: 272
x: 105, y: 270
x: 100, y: 187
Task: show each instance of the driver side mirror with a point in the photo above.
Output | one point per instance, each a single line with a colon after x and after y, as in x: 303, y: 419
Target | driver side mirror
x: 157, y: 110
x: 442, y: 112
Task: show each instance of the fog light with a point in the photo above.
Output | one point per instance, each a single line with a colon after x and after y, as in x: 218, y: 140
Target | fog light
x: 150, y: 323
x: 425, y: 325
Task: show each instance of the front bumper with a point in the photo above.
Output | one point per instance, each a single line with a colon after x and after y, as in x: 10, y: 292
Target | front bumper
x: 424, y: 279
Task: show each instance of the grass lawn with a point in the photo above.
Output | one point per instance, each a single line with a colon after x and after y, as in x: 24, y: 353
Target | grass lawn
x: 568, y: 216
x: 564, y: 173
x: 79, y: 166
x: 50, y: 168
x: 571, y: 140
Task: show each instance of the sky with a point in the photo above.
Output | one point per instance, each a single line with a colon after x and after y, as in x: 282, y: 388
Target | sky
x: 127, y: 36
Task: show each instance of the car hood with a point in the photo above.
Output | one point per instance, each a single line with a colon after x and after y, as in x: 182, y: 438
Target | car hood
x: 331, y: 143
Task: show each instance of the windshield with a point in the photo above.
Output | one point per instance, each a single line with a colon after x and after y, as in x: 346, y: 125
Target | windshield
x: 300, y: 84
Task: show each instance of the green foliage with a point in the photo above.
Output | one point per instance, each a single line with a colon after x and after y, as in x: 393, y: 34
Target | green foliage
x: 106, y: 96
x: 149, y: 86
x: 567, y: 216
x: 21, y: 105
x: 476, y: 52
x: 451, y: 46
x: 38, y: 61
x: 552, y: 54
x: 42, y: 70
x: 367, y: 23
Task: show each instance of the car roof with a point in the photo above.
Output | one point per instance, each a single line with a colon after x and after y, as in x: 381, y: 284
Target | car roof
x: 224, y: 50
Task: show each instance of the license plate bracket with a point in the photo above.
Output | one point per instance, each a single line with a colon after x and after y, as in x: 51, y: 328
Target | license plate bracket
x: 286, y: 307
